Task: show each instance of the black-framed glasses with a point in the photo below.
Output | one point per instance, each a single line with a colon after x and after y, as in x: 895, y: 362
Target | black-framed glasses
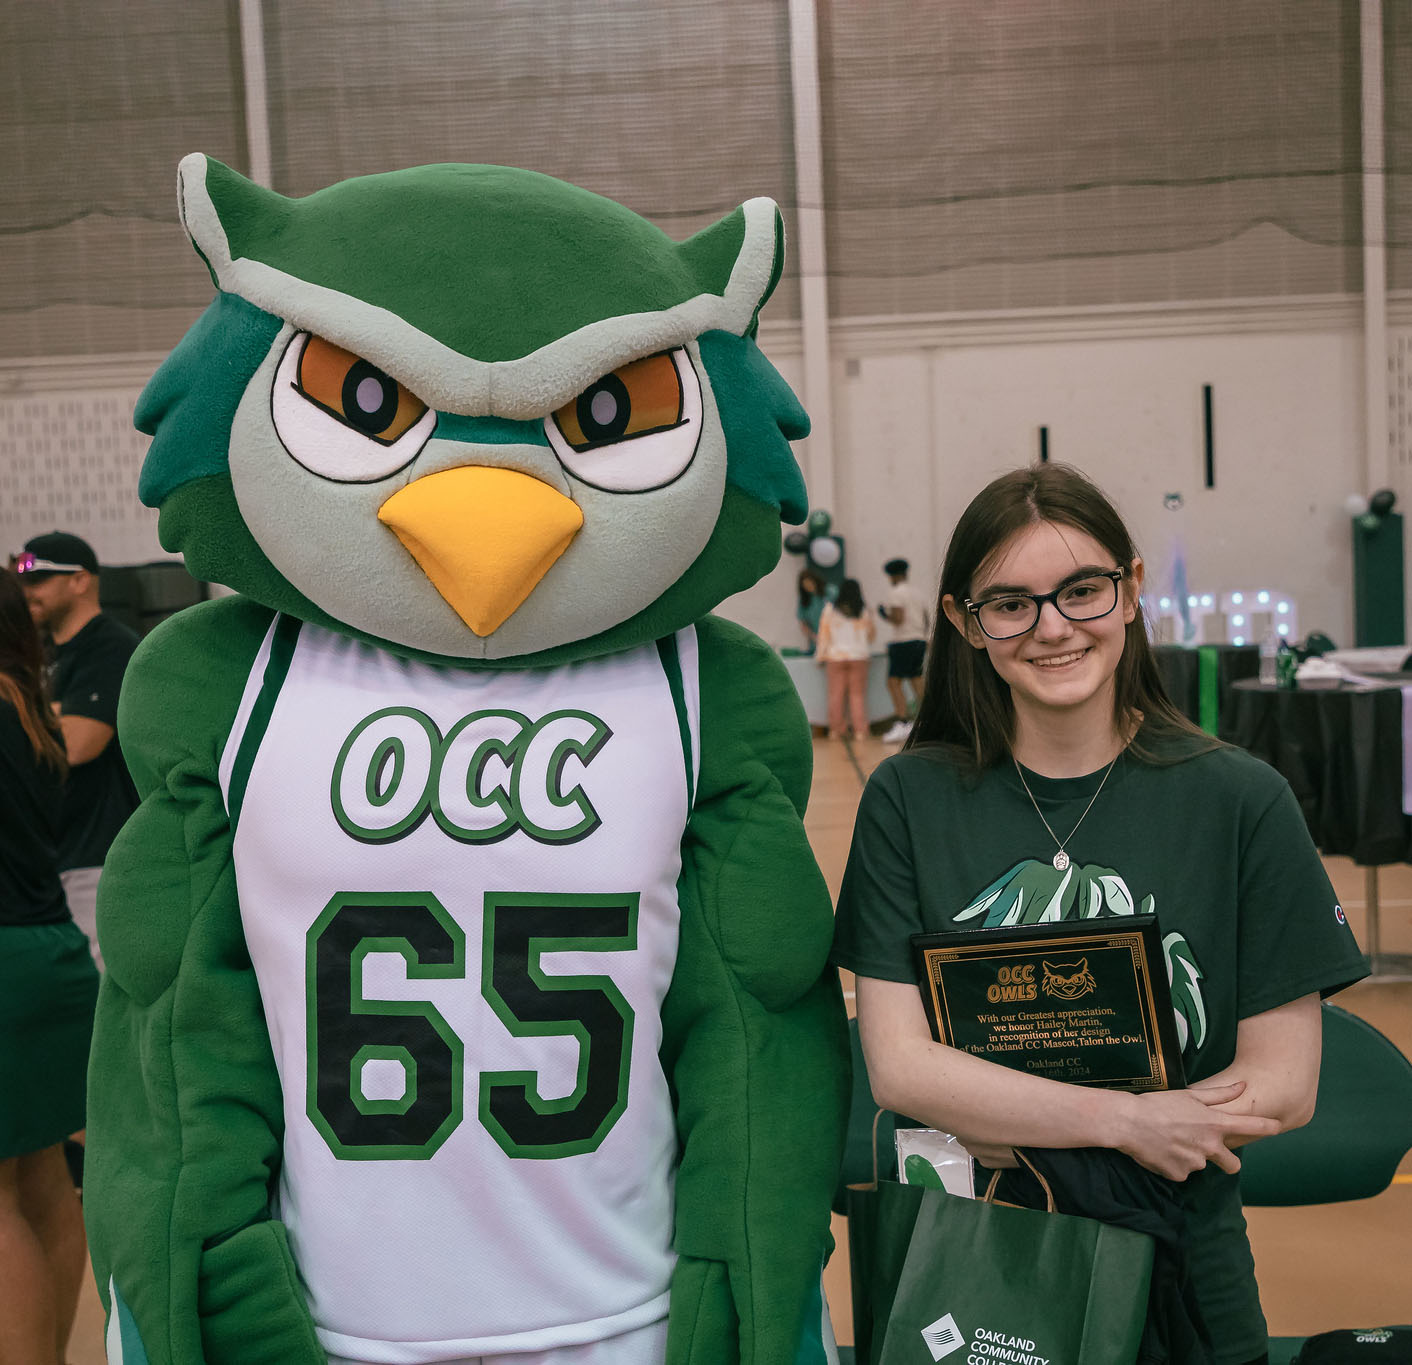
x: 1014, y: 613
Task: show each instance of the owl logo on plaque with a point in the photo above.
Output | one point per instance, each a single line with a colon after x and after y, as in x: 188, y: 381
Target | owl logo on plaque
x: 1067, y: 980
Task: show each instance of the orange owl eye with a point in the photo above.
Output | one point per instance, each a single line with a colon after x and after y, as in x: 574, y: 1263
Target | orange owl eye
x: 636, y: 399
x: 356, y: 392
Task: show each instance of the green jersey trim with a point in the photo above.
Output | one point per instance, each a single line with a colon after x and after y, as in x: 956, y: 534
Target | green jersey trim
x: 671, y: 665
x: 286, y: 634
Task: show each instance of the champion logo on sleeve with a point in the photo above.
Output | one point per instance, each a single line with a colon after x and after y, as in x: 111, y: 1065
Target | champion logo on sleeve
x: 1339, y: 915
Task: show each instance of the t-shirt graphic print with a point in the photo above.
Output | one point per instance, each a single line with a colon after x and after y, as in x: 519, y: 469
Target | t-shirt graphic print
x: 1036, y: 892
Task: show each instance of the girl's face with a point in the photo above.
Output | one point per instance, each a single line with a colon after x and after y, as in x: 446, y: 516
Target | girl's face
x: 1059, y: 665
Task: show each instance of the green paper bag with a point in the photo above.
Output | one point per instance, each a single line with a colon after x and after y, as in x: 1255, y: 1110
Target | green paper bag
x: 933, y: 1273
x: 990, y: 1284
x: 881, y: 1218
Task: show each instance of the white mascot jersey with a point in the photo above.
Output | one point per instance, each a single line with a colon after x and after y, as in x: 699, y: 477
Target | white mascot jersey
x: 459, y: 892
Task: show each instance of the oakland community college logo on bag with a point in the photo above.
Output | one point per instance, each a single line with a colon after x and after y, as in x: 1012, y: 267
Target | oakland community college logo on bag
x: 987, y: 1347
x: 943, y: 1336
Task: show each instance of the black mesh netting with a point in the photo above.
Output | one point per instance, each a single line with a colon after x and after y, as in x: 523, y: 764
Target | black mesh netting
x: 977, y: 155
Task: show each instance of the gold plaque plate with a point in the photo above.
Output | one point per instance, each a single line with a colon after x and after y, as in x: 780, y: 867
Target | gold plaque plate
x: 1084, y: 1001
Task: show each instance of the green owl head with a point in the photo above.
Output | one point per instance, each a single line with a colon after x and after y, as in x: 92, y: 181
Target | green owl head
x: 472, y: 412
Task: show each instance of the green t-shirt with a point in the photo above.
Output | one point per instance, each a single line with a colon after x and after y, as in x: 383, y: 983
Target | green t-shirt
x: 1214, y: 845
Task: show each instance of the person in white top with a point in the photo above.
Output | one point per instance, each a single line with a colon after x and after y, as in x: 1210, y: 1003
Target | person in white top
x: 845, y: 646
x: 906, y: 612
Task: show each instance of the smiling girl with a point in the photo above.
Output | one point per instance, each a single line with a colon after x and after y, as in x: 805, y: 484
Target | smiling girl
x: 1048, y: 777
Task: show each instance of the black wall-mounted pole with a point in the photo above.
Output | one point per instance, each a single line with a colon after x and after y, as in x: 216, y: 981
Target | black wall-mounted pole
x: 1044, y: 445
x: 1209, y: 431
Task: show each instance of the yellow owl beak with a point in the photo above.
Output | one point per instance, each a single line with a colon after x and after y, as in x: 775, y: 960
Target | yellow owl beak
x: 485, y: 537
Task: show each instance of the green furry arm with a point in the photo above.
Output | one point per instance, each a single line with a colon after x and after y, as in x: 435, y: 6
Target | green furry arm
x: 755, y: 1040
x: 184, y: 1110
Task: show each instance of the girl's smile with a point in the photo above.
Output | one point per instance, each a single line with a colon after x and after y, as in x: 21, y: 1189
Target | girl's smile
x: 1058, y: 666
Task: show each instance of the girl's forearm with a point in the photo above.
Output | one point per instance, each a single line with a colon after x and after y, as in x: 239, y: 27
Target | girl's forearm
x: 985, y: 1103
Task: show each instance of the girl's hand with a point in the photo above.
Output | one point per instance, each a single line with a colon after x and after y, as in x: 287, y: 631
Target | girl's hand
x: 1175, y: 1132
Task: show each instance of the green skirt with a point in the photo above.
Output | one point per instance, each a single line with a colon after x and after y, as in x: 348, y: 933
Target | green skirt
x: 48, y: 988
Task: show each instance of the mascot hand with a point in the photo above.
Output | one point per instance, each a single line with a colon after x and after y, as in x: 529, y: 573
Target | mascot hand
x: 703, y: 1328
x: 252, y: 1306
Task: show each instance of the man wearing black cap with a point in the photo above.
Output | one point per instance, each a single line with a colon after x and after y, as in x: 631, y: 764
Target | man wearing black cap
x: 905, y: 611
x: 91, y: 652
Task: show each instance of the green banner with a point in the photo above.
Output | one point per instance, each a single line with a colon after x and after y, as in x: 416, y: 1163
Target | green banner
x: 1208, y: 688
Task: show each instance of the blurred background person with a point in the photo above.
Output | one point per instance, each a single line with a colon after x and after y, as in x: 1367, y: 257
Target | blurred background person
x: 845, y: 648
x: 909, y: 620
x: 91, y: 652
x: 48, y: 987
x: 812, y: 600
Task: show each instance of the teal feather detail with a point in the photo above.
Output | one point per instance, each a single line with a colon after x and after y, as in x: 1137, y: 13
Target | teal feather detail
x: 189, y: 404
x: 489, y: 431
x: 760, y: 415
x: 1186, y: 976
x: 123, y: 1342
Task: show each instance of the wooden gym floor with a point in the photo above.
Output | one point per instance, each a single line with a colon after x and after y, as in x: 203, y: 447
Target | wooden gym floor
x: 1320, y: 1267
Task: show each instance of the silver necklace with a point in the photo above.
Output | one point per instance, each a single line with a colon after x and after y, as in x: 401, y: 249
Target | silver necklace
x: 1061, y: 859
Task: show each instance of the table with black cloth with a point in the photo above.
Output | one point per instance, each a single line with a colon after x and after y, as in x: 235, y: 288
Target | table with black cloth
x: 1183, y: 669
x: 1340, y: 750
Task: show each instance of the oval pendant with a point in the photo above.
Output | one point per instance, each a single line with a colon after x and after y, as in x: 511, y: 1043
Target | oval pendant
x: 1061, y: 860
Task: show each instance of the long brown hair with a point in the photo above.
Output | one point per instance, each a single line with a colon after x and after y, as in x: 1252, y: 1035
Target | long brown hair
x: 22, y: 673
x: 850, y: 598
x: 966, y: 705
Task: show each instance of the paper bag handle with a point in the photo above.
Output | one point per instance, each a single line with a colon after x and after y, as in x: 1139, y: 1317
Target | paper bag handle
x: 989, y: 1196
x: 877, y: 1119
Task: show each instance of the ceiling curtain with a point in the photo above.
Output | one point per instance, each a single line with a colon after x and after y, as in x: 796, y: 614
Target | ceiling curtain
x: 1063, y: 153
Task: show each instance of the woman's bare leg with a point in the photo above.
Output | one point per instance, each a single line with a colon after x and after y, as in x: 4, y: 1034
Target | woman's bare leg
x: 858, y: 687
x: 50, y: 1203
x: 28, y: 1320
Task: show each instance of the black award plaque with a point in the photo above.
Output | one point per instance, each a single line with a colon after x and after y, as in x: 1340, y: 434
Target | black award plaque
x: 1084, y: 1001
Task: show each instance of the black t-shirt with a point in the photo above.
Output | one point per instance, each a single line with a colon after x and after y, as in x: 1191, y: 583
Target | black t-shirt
x: 99, y: 795
x: 30, y: 797
x: 1215, y: 846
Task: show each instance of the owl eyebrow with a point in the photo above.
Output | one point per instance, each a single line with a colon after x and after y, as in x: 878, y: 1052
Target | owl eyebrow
x: 1015, y: 590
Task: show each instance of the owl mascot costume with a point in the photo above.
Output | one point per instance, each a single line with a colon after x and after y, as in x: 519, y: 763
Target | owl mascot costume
x: 466, y: 988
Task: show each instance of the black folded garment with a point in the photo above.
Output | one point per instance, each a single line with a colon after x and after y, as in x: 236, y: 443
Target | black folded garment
x: 1096, y: 1182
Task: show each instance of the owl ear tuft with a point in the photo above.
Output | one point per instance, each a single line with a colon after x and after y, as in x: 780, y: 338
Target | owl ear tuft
x: 221, y: 211
x: 741, y: 255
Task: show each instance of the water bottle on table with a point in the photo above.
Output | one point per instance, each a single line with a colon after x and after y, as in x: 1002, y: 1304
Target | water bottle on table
x: 1270, y: 659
